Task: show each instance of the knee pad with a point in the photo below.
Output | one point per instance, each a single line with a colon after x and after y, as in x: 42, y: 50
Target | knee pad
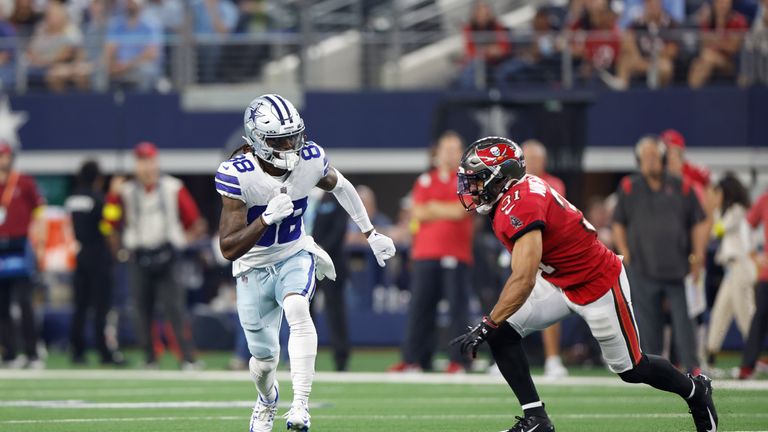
x: 261, y: 367
x: 638, y: 373
x: 296, y: 309
x: 505, y: 335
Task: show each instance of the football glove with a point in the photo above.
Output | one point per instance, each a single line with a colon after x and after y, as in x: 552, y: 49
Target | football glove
x: 471, y: 340
x: 278, y: 208
x: 382, y: 246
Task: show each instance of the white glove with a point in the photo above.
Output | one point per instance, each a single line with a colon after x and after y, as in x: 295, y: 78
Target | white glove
x: 383, y: 247
x: 278, y: 208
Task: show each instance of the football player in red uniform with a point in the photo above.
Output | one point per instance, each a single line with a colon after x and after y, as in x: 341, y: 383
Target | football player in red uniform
x: 559, y: 267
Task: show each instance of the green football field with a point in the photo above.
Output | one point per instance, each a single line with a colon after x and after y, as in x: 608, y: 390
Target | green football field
x: 133, y: 400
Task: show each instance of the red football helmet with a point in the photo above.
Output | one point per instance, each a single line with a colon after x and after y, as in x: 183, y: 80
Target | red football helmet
x: 488, y: 168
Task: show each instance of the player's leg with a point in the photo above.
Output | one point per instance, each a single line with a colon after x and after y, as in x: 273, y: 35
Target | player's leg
x: 144, y: 298
x: 646, y: 295
x: 296, y: 287
x: 260, y: 319
x: 80, y: 287
x: 612, y: 322
x: 173, y: 298
x: 422, y: 313
x: 455, y: 285
x: 757, y: 331
x: 544, y: 307
x: 682, y: 326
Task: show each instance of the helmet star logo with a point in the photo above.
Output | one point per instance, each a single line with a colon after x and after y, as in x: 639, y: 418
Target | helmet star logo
x: 255, y: 112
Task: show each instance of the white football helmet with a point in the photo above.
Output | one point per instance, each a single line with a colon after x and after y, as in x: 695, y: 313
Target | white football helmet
x: 275, y: 130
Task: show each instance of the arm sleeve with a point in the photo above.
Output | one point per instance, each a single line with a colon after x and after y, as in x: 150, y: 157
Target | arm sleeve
x: 347, y: 196
x: 188, y: 211
x: 227, y: 182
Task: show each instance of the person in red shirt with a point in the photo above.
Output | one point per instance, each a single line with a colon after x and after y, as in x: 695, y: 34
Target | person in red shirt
x: 578, y: 275
x: 158, y: 218
x: 486, y: 46
x: 596, y: 38
x: 535, y: 155
x: 722, y: 34
x: 758, y: 215
x: 19, y: 204
x: 441, y: 255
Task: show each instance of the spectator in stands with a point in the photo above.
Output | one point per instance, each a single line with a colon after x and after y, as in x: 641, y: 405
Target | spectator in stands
x: 25, y: 17
x: 486, y: 44
x: 134, y: 49
x: 754, y: 63
x: 535, y: 164
x: 440, y: 259
x: 55, y: 42
x: 7, y: 51
x: 92, y: 283
x: 634, y: 10
x: 656, y: 227
x: 20, y: 203
x: 167, y: 15
x: 88, y: 70
x: 597, y: 39
x: 758, y: 216
x: 159, y: 219
x: 722, y: 34
x: 538, y: 62
x: 212, y: 17
x: 647, y: 37
x: 736, y: 296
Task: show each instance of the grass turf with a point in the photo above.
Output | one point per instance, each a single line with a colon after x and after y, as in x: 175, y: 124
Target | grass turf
x: 100, y: 405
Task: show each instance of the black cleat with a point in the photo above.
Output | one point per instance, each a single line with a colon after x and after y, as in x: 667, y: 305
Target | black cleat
x: 532, y: 424
x: 701, y: 405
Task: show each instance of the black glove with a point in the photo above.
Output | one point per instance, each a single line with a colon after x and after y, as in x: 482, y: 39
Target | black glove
x: 471, y: 340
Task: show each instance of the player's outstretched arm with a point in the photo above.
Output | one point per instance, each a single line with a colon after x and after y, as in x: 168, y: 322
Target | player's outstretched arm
x: 236, y: 237
x: 382, y: 246
x: 526, y: 257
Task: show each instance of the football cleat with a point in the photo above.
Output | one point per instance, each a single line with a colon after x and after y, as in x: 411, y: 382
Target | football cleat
x: 532, y: 424
x: 263, y: 416
x: 298, y: 418
x: 701, y: 405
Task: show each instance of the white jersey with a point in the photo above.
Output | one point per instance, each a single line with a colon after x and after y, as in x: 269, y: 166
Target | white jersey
x: 242, y: 178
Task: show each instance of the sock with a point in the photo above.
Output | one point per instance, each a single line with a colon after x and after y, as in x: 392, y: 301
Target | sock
x: 263, y: 376
x: 659, y: 373
x: 534, y: 409
x: 510, y: 357
x: 302, y: 346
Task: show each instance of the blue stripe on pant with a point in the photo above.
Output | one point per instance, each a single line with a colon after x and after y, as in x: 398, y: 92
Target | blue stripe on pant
x: 260, y: 294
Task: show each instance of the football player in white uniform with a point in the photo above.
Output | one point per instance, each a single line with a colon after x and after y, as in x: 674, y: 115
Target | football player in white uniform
x: 264, y: 193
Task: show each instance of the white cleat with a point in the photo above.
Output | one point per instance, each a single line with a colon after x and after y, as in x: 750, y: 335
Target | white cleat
x: 298, y: 418
x: 554, y: 369
x: 263, y: 416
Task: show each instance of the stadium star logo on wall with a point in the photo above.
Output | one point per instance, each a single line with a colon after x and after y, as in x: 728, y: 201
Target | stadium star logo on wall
x: 494, y: 120
x: 10, y: 122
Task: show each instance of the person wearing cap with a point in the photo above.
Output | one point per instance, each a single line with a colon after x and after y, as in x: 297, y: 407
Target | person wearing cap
x: 697, y: 175
x: 92, y: 283
x: 158, y: 218
x: 20, y: 203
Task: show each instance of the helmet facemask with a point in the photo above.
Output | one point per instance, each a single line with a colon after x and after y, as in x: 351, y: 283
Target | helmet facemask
x: 280, y: 152
x: 480, y: 191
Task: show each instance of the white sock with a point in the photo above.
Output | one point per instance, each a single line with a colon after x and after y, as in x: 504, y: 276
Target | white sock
x: 302, y: 345
x: 263, y: 376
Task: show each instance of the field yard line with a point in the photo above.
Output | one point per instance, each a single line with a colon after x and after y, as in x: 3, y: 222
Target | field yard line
x: 355, y: 417
x: 335, y: 377
x: 79, y: 404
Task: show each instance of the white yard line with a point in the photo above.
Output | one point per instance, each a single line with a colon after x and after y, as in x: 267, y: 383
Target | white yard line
x: 363, y: 417
x: 348, y: 377
x: 80, y: 404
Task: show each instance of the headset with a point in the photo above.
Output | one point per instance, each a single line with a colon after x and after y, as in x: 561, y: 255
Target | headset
x: 659, y: 143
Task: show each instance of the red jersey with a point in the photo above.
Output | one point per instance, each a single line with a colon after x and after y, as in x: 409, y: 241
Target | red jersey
x: 441, y: 238
x: 758, y: 214
x: 23, y: 200
x: 572, y: 256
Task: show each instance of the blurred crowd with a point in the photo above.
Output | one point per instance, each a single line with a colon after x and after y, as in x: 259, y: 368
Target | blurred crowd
x: 96, y: 44
x: 689, y: 242
x: 616, y: 44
